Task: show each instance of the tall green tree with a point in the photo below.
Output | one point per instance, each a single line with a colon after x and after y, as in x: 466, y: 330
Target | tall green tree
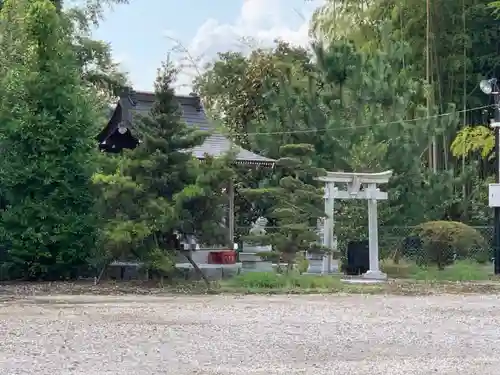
x: 159, y: 189
x: 365, y: 104
x: 453, y: 46
x: 388, y: 130
x: 233, y: 88
x: 47, y: 141
x: 297, y: 203
x: 95, y: 56
x: 238, y: 93
x: 461, y: 39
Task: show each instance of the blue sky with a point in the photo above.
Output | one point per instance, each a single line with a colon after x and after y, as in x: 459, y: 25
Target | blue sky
x: 139, y: 34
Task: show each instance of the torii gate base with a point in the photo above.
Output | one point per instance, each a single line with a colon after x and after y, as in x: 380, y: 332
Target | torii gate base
x: 370, y: 192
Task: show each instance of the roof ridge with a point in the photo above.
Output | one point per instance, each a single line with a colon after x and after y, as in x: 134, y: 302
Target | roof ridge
x: 216, y: 144
x: 193, y: 96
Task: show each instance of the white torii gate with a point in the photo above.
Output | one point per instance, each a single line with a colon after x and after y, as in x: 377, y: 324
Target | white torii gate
x: 372, y: 194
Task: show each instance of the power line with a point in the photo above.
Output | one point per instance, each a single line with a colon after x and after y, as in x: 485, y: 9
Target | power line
x: 305, y: 131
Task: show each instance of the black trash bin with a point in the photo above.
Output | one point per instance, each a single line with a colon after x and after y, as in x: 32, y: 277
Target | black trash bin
x: 358, y: 257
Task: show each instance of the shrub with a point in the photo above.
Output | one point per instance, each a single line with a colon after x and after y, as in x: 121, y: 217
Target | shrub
x: 443, y: 241
x: 259, y: 280
x: 398, y: 269
x: 302, y: 264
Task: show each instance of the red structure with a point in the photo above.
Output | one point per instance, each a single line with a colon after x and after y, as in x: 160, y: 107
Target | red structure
x: 222, y: 257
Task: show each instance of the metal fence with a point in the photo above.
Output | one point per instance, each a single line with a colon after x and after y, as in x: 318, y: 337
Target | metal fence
x: 403, y: 241
x: 393, y: 240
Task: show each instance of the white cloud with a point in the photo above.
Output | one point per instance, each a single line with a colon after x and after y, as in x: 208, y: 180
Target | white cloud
x: 261, y: 14
x: 260, y: 21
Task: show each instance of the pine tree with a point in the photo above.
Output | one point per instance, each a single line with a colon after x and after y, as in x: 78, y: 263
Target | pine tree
x: 47, y: 142
x: 159, y: 189
x: 297, y: 203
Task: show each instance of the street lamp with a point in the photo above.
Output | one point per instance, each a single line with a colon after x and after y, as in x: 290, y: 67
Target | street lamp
x: 490, y: 87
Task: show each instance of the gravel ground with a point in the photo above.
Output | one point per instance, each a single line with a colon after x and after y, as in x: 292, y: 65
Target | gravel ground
x: 250, y: 335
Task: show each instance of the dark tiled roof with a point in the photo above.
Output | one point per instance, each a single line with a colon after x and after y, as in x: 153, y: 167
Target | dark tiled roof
x: 193, y: 115
x: 192, y: 111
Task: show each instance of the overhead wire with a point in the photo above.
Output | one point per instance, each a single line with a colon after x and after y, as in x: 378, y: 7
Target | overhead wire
x: 365, y: 126
x: 316, y: 130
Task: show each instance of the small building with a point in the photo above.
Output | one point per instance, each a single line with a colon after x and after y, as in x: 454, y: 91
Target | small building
x: 117, y: 135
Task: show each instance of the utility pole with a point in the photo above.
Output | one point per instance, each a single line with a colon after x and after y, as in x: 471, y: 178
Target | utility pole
x: 490, y: 87
x: 496, y: 229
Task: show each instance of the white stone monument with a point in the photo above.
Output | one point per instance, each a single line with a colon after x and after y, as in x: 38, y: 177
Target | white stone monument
x: 372, y: 194
x: 249, y: 256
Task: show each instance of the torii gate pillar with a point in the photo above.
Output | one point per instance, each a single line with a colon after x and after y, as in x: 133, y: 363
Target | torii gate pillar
x: 372, y: 194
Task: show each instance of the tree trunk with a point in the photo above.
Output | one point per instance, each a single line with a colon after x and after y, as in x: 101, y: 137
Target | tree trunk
x: 195, y: 266
x: 97, y: 280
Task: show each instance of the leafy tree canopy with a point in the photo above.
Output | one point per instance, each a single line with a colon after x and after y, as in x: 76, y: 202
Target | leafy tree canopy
x: 297, y: 203
x: 47, y: 143
x: 159, y: 189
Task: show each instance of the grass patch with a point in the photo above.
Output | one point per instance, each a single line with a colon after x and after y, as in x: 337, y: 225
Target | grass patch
x: 293, y: 283
x: 406, y: 278
x: 253, y: 283
x: 273, y: 283
x: 463, y: 270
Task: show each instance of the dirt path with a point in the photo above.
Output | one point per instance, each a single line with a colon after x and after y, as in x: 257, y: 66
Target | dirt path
x: 250, y: 335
